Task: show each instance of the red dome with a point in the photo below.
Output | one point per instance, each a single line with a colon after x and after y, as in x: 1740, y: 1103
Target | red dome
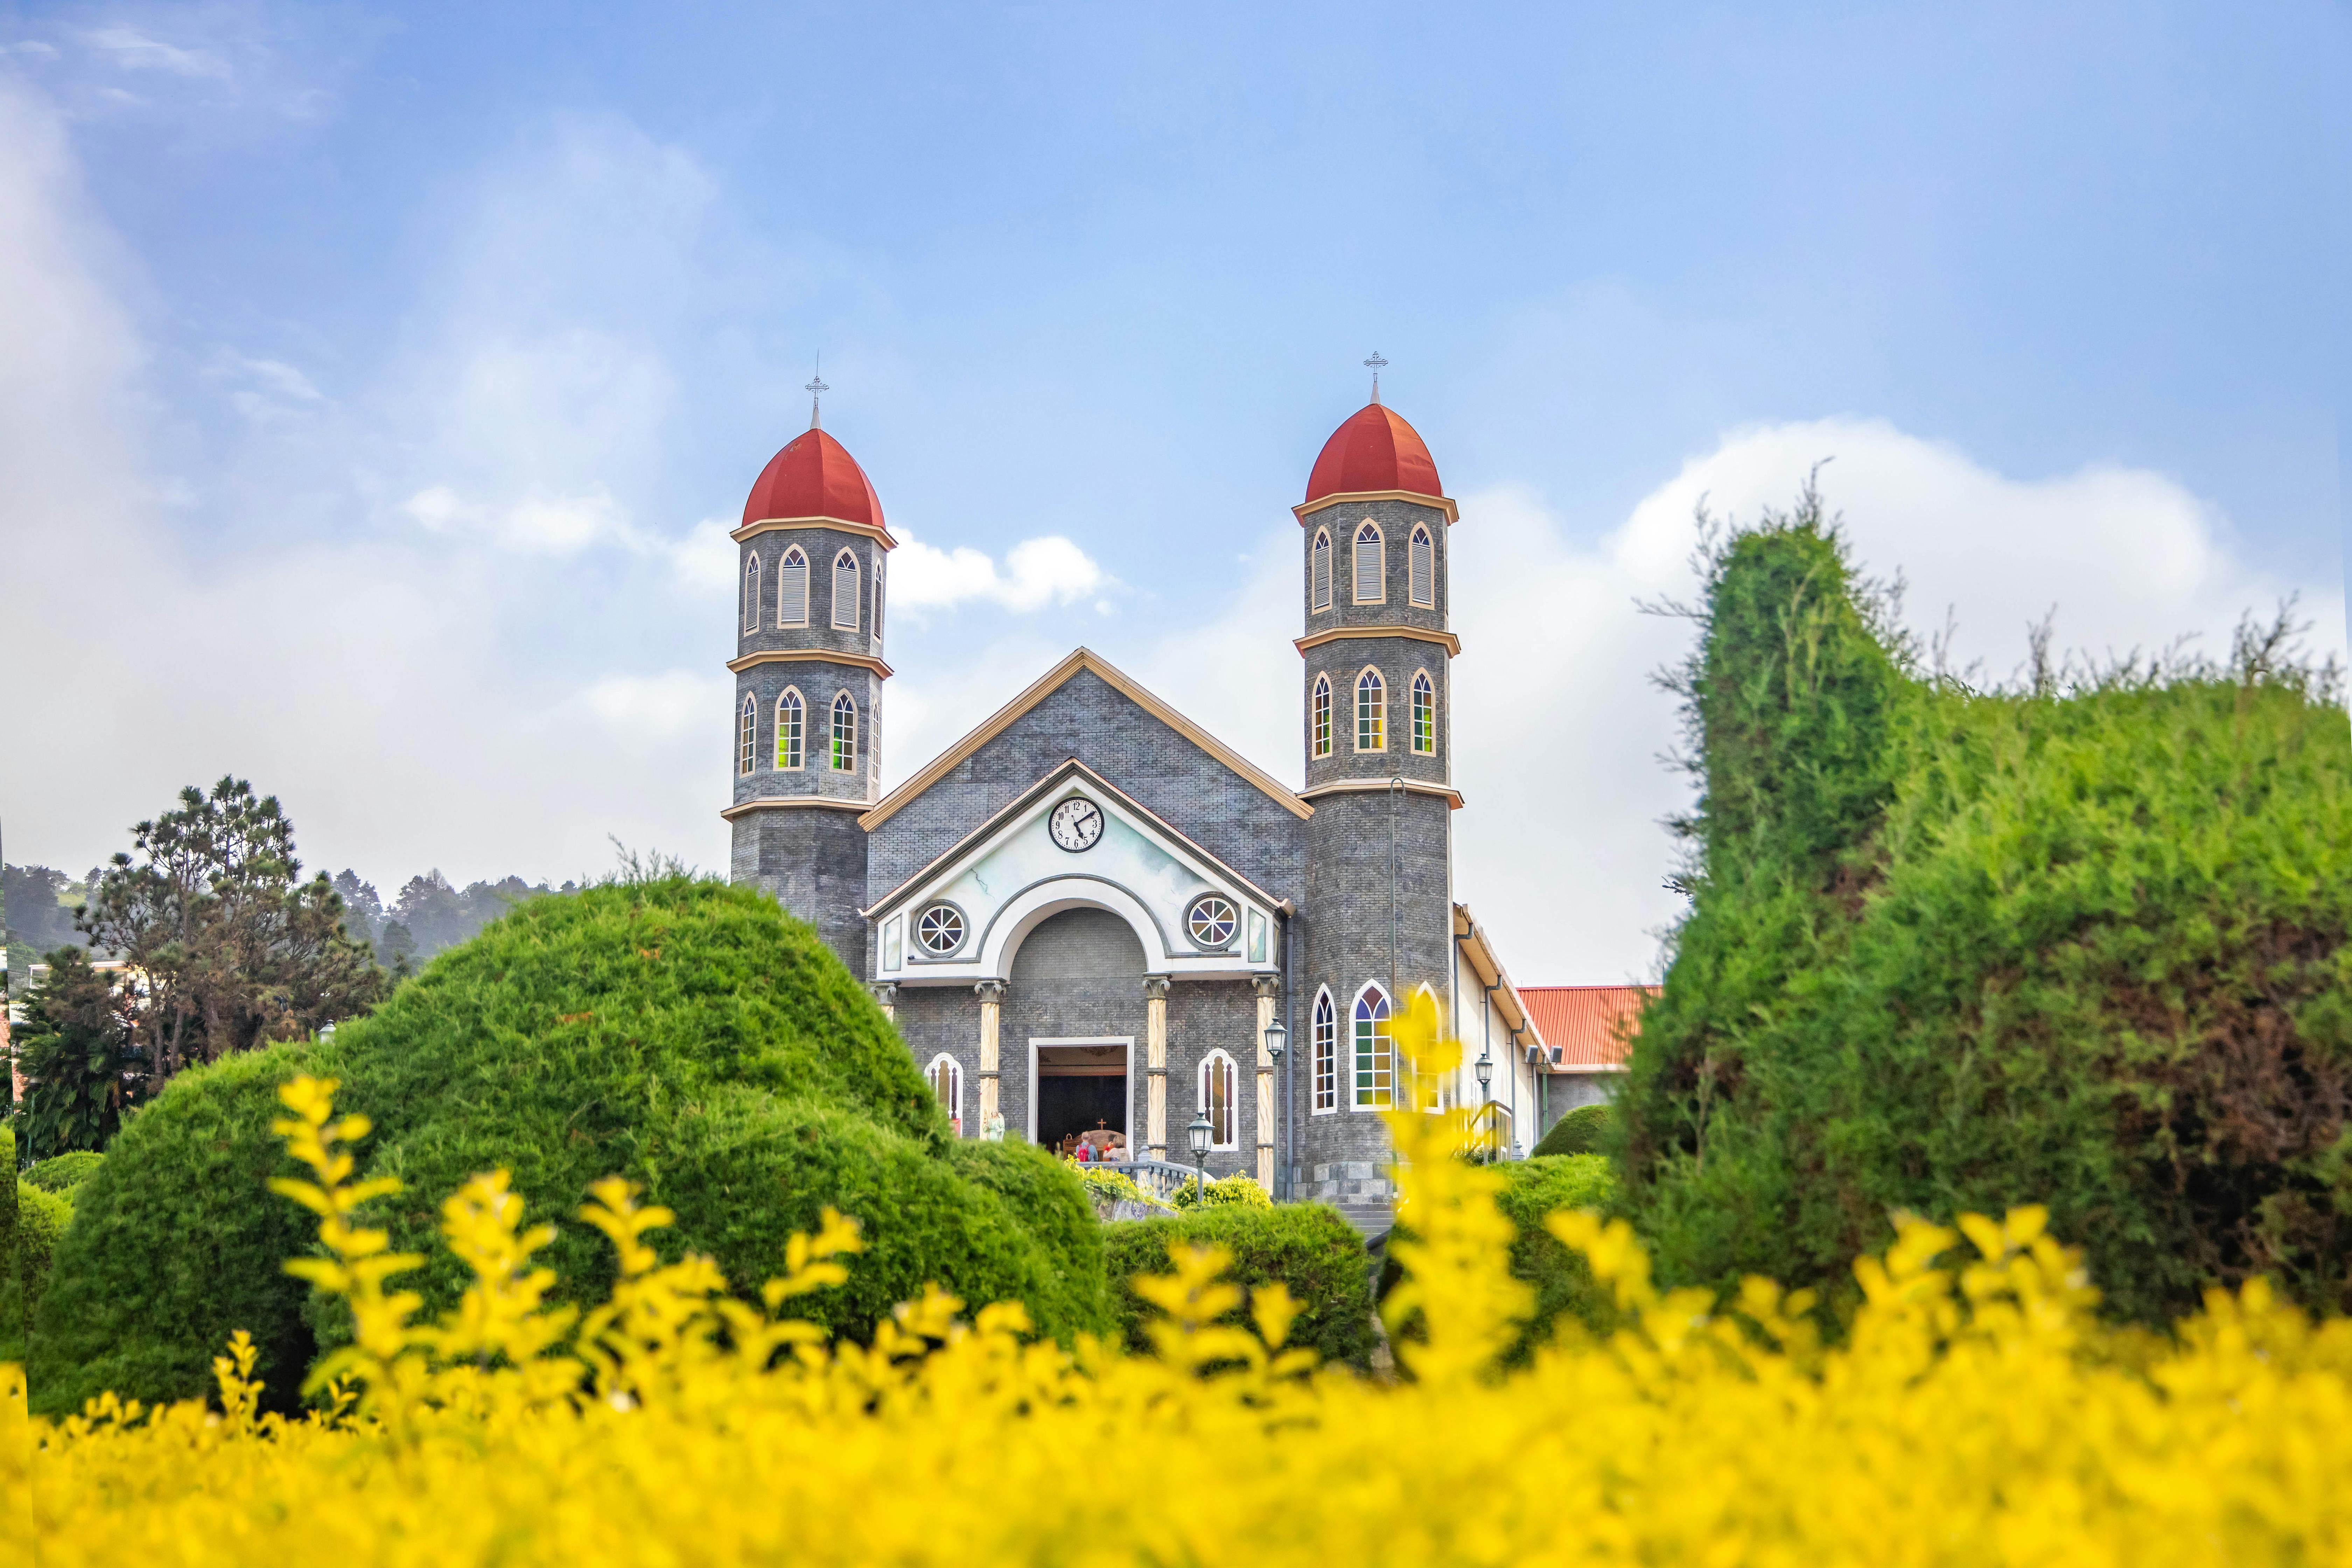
x: 814, y: 476
x: 1374, y: 451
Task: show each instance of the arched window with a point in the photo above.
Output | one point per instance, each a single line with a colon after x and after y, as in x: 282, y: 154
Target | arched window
x: 844, y: 734
x: 1375, y: 1054
x: 1326, y: 1053
x: 1322, y: 715
x: 1424, y: 714
x: 1372, y: 712
x: 1218, y: 1082
x: 1371, y: 580
x: 790, y: 715
x: 750, y: 727
x: 1319, y: 575
x: 845, y: 591
x: 878, y: 600
x: 752, y: 592
x: 946, y: 1077
x: 1421, y: 557
x: 792, y: 589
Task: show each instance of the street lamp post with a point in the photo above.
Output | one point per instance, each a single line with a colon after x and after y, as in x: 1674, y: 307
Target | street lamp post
x: 1278, y: 1040
x: 1196, y: 1137
x: 1486, y: 1088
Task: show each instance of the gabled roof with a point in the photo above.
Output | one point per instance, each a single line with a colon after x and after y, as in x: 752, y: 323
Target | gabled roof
x: 1053, y: 680
x: 1488, y: 967
x: 1590, y: 1026
x: 977, y: 839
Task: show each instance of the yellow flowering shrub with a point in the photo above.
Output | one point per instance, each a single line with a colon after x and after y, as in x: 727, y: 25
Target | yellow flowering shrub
x: 1976, y: 1413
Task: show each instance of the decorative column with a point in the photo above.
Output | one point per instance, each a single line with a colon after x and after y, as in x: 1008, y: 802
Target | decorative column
x: 1155, y: 1036
x: 992, y: 1013
x: 1268, y: 987
x: 886, y: 996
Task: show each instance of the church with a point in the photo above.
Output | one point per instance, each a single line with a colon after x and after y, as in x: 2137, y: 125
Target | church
x: 1090, y: 914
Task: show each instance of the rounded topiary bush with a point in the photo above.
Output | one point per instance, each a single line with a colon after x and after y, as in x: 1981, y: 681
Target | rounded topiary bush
x: 1584, y: 1130
x: 64, y: 1173
x: 687, y: 1035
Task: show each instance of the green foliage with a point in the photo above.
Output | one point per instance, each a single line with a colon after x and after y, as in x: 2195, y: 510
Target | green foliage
x: 1107, y: 1184
x: 684, y: 1034
x: 2080, y: 943
x: 236, y: 952
x: 40, y: 1222
x: 63, y: 1172
x: 1235, y: 1190
x: 1312, y: 1249
x: 176, y: 1244
x: 74, y: 1053
x: 1584, y: 1130
x: 13, y: 1323
x: 1540, y: 1185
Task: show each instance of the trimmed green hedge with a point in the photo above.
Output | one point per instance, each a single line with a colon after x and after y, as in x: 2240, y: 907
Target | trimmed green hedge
x: 64, y: 1173
x: 1584, y: 1130
x: 1310, y: 1249
x: 687, y: 1035
x: 178, y: 1244
x: 41, y: 1221
x: 1563, y: 1281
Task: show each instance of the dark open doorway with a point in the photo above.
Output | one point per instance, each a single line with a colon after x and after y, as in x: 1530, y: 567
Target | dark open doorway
x: 1082, y: 1090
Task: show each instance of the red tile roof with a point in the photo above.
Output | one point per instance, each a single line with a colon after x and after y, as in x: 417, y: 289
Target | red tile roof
x: 1582, y: 1022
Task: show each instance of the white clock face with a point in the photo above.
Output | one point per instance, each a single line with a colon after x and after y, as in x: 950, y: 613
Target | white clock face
x: 1077, y: 824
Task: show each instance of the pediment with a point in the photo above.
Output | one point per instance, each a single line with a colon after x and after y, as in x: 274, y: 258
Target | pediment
x: 1010, y: 874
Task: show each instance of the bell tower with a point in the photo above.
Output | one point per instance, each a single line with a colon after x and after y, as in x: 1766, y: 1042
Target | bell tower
x: 808, y: 667
x: 1377, y: 655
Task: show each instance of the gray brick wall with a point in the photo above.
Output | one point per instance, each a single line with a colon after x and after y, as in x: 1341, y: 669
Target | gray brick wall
x: 818, y: 681
x: 1397, y: 659
x: 1089, y: 719
x: 821, y: 546
x: 1396, y: 519
x: 813, y: 861
x: 1078, y: 973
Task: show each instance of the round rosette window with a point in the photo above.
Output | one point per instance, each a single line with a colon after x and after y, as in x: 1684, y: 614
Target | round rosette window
x: 940, y: 929
x: 1213, y: 921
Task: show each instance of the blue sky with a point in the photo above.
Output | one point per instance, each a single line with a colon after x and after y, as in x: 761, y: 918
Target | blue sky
x: 411, y: 352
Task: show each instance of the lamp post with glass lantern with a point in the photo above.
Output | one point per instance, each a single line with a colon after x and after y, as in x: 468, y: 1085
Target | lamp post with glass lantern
x: 1196, y: 1137
x: 1486, y: 1086
x: 1278, y: 1039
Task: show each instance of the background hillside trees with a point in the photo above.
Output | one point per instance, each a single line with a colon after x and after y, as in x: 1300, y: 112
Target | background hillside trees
x: 74, y: 1050
x: 232, y: 949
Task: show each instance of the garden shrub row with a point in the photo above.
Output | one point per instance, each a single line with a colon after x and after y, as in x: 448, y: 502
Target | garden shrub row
x: 684, y: 1034
x: 31, y: 1219
x: 1310, y: 1249
x: 1584, y: 1130
x: 64, y: 1173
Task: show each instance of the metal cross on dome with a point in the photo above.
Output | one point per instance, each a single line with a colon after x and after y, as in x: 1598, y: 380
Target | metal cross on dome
x: 1374, y: 365
x: 816, y: 389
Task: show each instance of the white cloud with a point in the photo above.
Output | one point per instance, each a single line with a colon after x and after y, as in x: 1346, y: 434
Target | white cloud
x: 673, y: 705
x: 131, y: 50
x: 1037, y: 572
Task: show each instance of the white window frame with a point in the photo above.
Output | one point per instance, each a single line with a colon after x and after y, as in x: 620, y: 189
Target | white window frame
x: 877, y: 599
x: 789, y: 700
x: 1438, y: 1098
x: 1421, y: 568
x: 751, y: 590
x: 1423, y: 686
x: 832, y: 733
x: 856, y: 587
x: 952, y: 1101
x: 1319, y: 717
x: 794, y: 559
x: 1323, y: 1059
x: 747, y: 745
x: 1380, y: 563
x: 1357, y: 1090
x: 1319, y: 572
x: 1219, y: 1061
x: 1380, y: 718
